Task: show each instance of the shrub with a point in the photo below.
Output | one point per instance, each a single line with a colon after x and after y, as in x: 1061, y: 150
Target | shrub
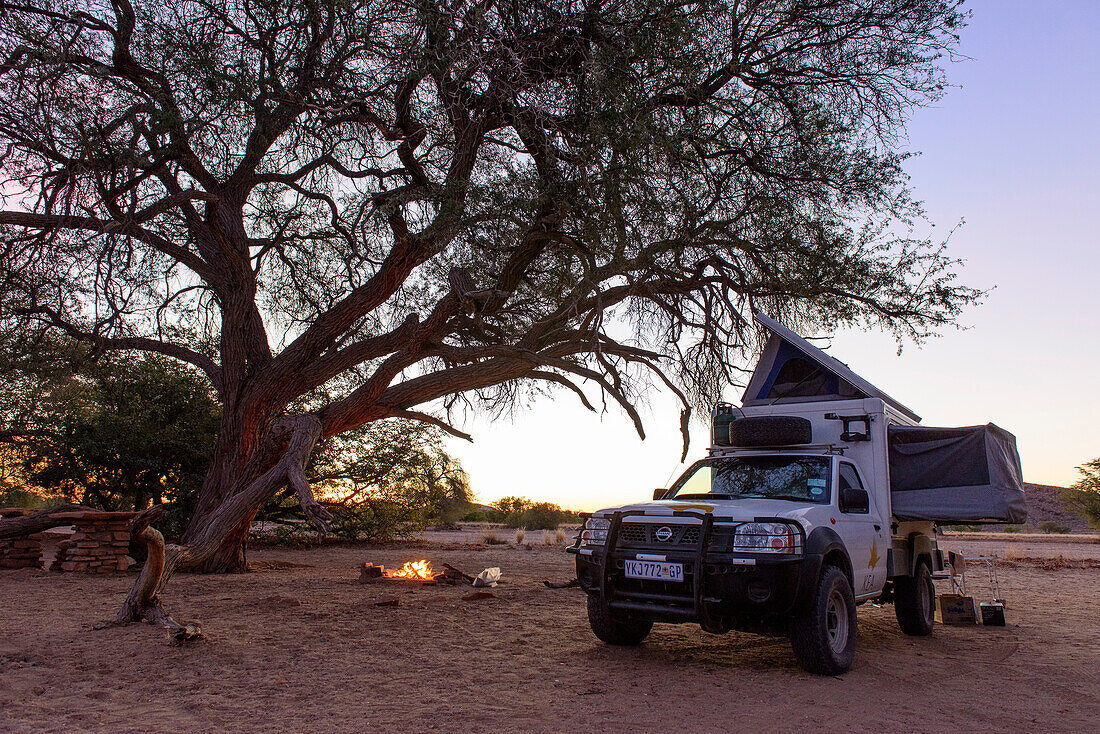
x: 1011, y: 528
x: 539, y: 516
x: 1049, y: 526
x: 476, y: 514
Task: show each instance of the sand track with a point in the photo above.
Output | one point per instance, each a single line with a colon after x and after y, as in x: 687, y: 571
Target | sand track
x: 297, y: 646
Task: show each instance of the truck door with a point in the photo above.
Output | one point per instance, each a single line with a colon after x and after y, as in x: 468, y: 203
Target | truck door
x: 865, y: 535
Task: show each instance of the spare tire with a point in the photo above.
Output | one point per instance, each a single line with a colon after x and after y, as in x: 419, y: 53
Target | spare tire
x: 770, y: 430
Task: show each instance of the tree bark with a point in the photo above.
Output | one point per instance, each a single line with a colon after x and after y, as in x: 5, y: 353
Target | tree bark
x: 143, y: 602
x: 231, y: 555
x: 233, y: 467
x: 36, y: 522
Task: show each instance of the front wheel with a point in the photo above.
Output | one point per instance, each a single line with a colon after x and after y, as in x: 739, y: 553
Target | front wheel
x: 915, y: 601
x: 614, y: 630
x: 824, y: 636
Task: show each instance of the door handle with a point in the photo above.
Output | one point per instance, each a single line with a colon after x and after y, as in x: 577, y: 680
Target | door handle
x: 878, y: 527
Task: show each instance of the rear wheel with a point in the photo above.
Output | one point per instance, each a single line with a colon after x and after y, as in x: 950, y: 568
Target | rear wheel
x: 824, y: 636
x: 915, y: 601
x: 615, y: 630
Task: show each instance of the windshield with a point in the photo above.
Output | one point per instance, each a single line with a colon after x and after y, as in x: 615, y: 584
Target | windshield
x: 799, y: 478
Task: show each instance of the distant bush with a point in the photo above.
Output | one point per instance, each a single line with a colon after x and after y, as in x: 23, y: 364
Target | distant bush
x: 1011, y: 529
x: 520, y: 512
x: 965, y: 528
x: 1049, y: 526
x: 476, y: 514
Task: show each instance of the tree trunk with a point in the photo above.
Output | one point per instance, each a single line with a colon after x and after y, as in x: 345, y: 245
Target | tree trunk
x: 233, y: 467
x: 230, y: 555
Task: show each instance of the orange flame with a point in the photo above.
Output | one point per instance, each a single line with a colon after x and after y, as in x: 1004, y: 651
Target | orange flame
x: 421, y: 570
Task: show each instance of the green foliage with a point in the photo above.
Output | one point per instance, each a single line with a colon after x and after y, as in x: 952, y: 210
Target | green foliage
x: 1050, y: 526
x: 520, y: 512
x: 121, y: 433
x: 307, y: 193
x: 478, y: 514
x: 1011, y: 529
x: 381, y: 481
x: 1083, y: 496
x: 115, y: 434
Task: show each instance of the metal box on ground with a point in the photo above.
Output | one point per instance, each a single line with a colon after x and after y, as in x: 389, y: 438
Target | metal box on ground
x: 993, y: 614
x: 955, y: 609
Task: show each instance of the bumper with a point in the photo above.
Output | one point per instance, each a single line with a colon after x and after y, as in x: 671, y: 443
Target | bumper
x: 729, y: 593
x: 720, y: 590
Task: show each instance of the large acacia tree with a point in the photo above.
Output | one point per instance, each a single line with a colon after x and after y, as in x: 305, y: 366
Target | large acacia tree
x: 404, y: 203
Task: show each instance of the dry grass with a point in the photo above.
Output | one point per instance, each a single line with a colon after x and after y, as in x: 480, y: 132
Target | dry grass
x: 553, y: 537
x: 492, y: 538
x: 520, y: 535
x: 1013, y: 558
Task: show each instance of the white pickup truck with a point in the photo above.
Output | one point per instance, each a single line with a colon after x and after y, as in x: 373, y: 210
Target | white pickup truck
x: 796, y: 516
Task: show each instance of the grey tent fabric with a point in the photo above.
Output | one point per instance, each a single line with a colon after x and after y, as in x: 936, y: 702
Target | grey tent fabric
x: 956, y: 474
x: 791, y: 370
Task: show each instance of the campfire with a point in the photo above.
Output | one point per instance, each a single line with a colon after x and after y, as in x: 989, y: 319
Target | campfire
x: 420, y: 571
x: 417, y: 570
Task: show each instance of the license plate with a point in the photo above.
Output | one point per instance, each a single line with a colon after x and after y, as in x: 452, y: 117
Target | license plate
x: 654, y: 570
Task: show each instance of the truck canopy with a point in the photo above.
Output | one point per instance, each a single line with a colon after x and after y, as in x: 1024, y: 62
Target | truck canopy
x: 791, y: 370
x: 958, y: 475
x: 949, y: 475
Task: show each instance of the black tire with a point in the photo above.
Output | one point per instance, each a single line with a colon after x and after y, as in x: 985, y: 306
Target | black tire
x: 771, y: 430
x: 615, y: 630
x: 824, y: 636
x: 915, y: 601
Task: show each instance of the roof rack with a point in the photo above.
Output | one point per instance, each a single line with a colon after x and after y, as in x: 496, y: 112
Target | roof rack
x: 831, y: 448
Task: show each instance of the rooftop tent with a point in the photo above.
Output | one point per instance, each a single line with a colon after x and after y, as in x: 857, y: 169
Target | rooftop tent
x: 957, y: 475
x: 791, y: 370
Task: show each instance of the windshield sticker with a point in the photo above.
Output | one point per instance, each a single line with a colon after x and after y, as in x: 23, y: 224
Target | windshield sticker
x: 815, y: 490
x: 815, y: 482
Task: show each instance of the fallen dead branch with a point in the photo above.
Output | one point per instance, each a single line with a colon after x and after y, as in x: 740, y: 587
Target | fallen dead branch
x: 36, y: 522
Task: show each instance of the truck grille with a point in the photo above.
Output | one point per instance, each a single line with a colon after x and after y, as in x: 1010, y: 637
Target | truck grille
x: 646, y: 533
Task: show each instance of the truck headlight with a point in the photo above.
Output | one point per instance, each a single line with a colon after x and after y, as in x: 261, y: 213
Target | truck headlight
x: 595, y: 531
x: 767, y: 537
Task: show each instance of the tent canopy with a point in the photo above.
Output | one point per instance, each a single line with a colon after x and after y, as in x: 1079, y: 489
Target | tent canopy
x: 791, y: 370
x: 959, y: 475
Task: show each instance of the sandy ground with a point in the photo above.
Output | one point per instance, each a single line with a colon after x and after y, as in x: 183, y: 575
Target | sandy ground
x: 297, y: 646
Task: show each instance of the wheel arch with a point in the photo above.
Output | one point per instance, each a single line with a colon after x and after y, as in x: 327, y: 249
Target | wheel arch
x: 826, y: 543
x: 920, y: 546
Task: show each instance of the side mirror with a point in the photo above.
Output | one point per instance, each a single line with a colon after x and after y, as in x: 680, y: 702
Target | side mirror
x: 659, y: 494
x: 853, y: 499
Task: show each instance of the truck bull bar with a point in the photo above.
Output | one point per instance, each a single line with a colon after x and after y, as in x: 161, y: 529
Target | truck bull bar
x: 707, y: 598
x: 665, y: 604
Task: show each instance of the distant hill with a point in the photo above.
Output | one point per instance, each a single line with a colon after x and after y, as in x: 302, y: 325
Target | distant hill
x: 1043, y: 504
